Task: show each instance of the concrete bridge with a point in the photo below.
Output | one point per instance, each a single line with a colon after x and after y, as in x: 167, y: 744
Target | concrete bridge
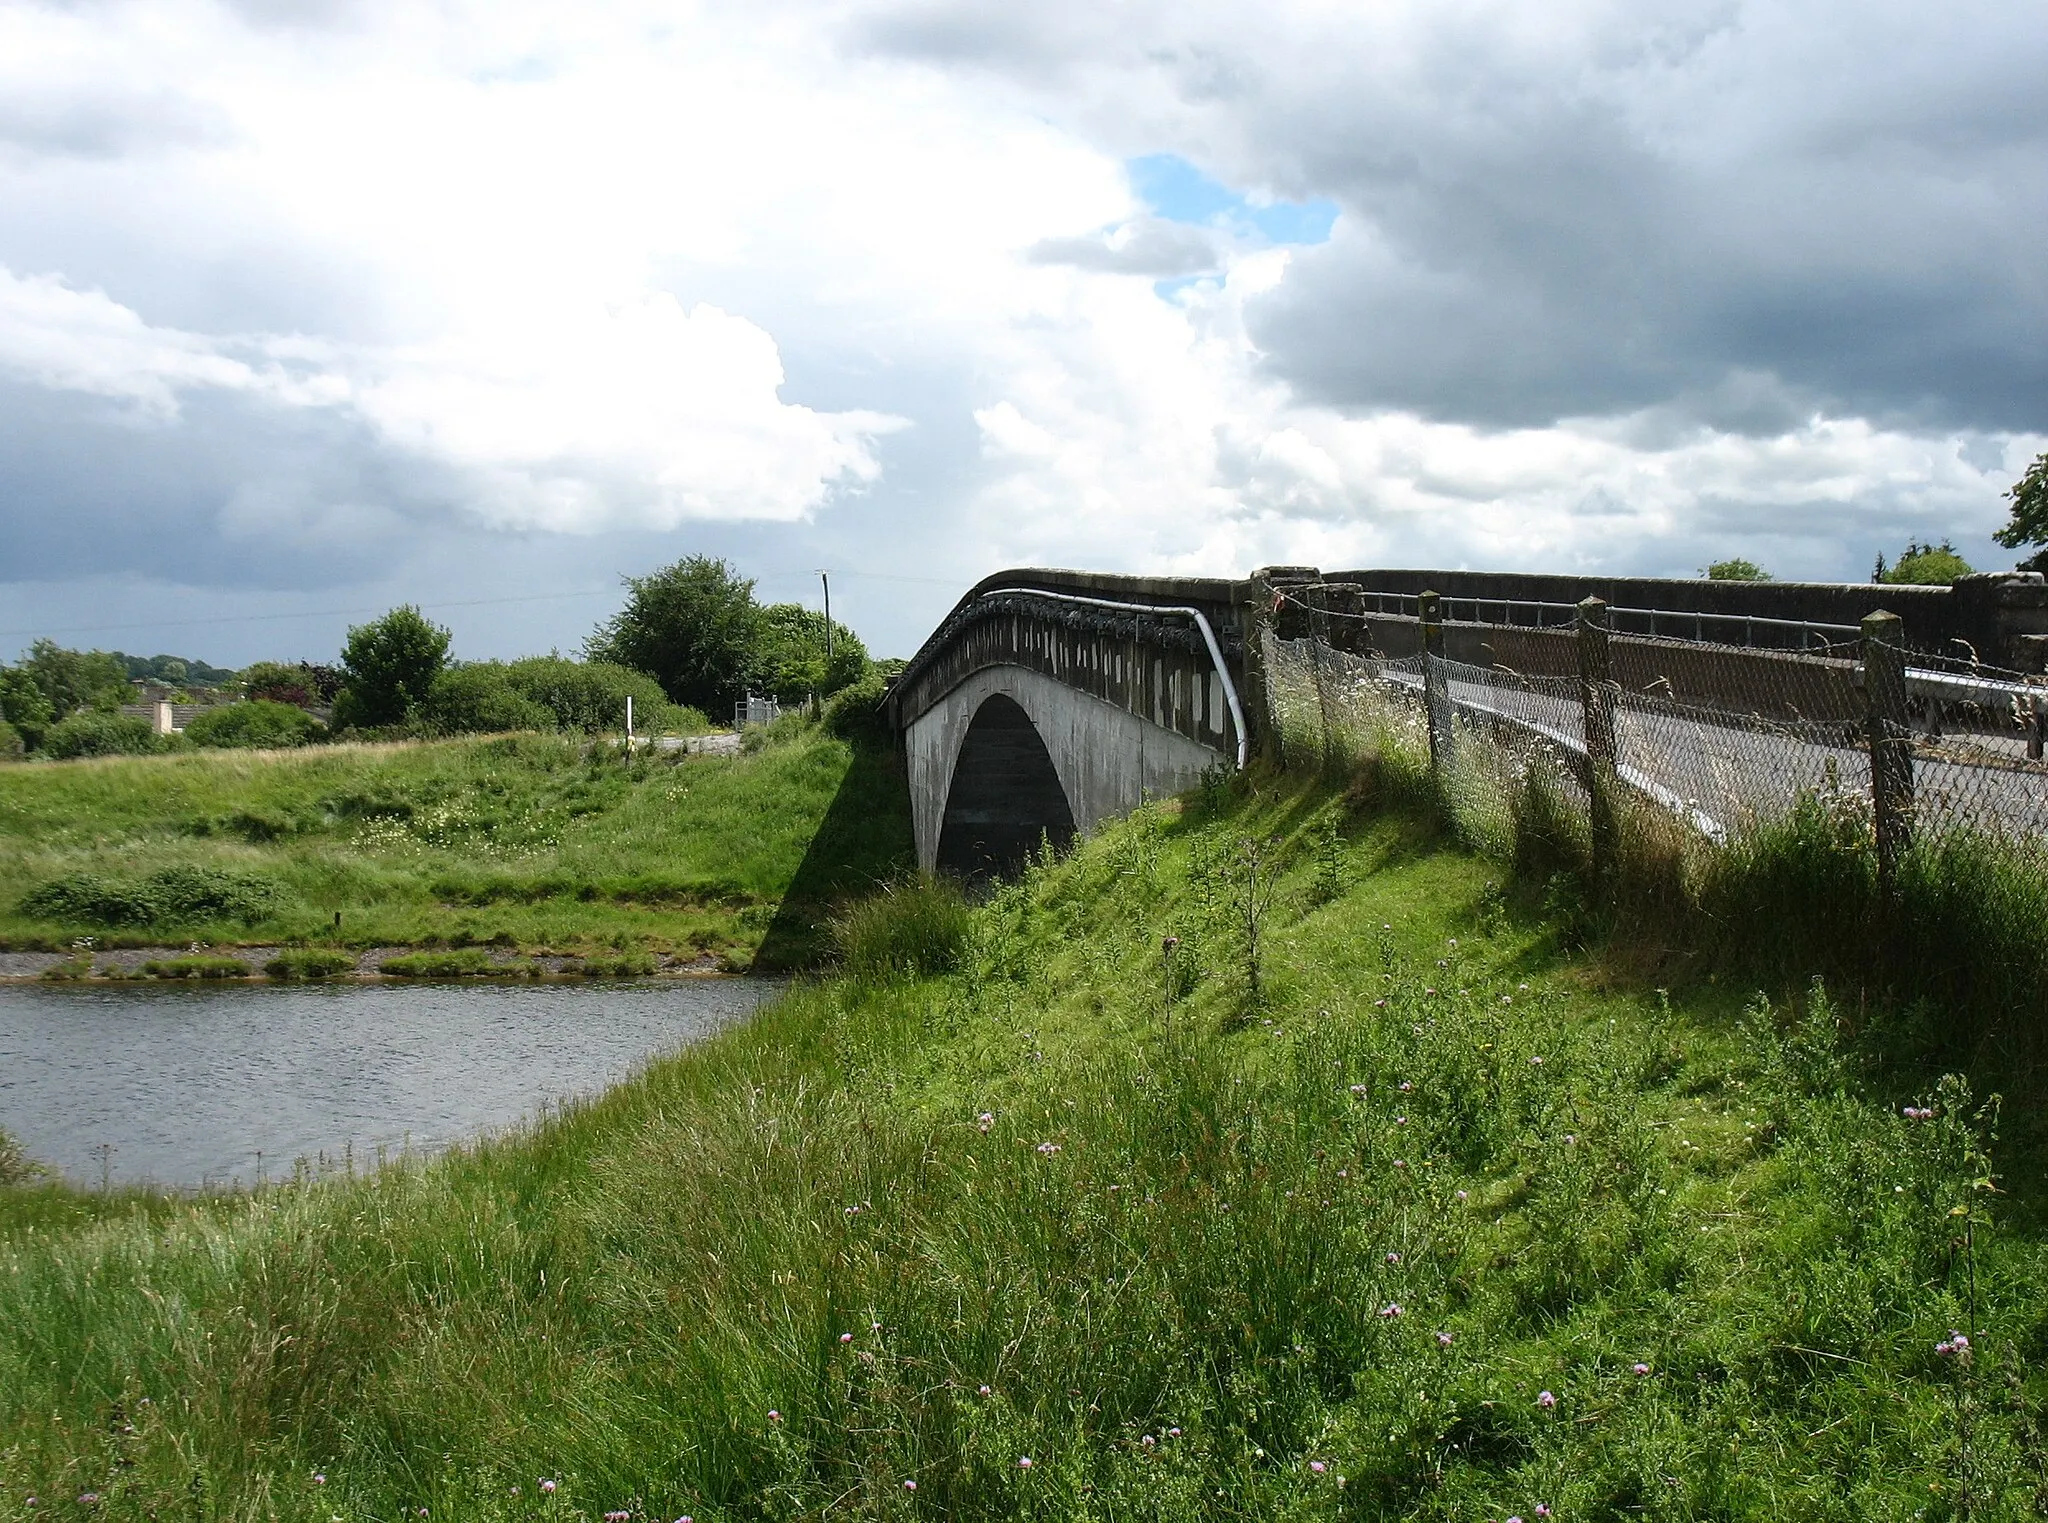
x: 1049, y: 701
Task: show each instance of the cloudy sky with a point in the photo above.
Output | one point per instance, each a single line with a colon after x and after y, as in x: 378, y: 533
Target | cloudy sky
x: 308, y: 307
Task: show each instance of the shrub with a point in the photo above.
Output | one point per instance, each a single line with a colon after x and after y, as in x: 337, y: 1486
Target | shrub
x: 103, y: 735
x: 463, y: 962
x: 692, y: 626
x: 480, y: 700
x: 855, y: 712
x: 908, y: 930
x: 196, y: 967
x: 391, y: 664
x: 309, y: 962
x: 16, y: 1167
x: 11, y: 743
x: 590, y: 696
x: 169, y: 896
x: 261, y: 722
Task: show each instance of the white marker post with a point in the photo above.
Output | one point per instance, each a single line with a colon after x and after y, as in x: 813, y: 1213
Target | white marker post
x: 629, y: 724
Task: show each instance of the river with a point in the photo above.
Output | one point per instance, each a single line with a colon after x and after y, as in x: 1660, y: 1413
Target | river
x: 192, y: 1087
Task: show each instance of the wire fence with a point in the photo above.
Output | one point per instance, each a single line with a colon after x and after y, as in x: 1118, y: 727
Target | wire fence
x: 1565, y: 716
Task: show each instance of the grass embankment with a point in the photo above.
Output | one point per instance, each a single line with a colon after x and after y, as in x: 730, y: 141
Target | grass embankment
x: 1450, y: 1225
x: 529, y: 841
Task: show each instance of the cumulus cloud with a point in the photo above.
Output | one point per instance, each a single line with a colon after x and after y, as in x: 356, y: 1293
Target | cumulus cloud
x: 1572, y: 284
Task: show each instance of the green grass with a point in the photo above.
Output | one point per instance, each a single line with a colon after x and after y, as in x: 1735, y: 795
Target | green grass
x: 539, y: 842
x: 1078, y: 1202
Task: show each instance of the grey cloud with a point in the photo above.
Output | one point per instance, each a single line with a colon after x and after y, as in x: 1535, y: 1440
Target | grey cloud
x: 1149, y: 246
x: 95, y: 125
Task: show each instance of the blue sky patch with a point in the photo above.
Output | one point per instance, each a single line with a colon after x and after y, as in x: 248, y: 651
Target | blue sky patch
x: 1179, y: 192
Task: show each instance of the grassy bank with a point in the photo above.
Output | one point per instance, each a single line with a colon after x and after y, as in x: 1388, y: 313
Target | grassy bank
x: 1450, y: 1222
x: 533, y: 841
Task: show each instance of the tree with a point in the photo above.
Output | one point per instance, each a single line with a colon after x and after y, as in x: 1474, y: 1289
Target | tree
x: 390, y: 665
x: 70, y: 680
x: 2029, y: 522
x: 792, y: 662
x: 1737, y: 570
x: 693, y: 627
x: 1924, y: 566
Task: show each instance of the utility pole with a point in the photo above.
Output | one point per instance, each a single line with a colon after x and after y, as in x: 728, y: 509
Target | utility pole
x: 826, y: 579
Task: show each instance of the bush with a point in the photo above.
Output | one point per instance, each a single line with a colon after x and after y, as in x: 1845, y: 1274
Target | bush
x: 196, y: 967
x: 391, y: 665
x: 103, y: 735
x: 590, y: 696
x: 464, y: 962
x: 908, y: 930
x: 16, y: 1167
x: 261, y: 722
x: 692, y: 626
x: 480, y: 700
x: 855, y: 713
x: 309, y: 962
x: 11, y: 743
x: 173, y: 895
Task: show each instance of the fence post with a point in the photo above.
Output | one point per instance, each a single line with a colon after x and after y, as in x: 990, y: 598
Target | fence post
x: 1436, y: 698
x: 1596, y: 708
x: 1890, y: 741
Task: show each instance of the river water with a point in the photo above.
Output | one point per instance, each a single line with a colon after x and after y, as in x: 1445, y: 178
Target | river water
x: 205, y: 1087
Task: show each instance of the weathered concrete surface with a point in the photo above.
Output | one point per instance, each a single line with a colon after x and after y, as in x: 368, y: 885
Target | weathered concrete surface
x: 1107, y: 759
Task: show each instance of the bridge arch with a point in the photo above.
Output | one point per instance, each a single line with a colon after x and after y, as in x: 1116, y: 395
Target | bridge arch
x: 976, y: 770
x: 1005, y: 796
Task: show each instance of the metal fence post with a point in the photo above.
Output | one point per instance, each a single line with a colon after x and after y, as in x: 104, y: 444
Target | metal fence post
x: 1596, y: 708
x: 1890, y: 741
x: 1436, y: 698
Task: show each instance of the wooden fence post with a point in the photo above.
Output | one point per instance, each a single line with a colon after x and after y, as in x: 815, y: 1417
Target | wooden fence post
x: 1436, y: 697
x: 1596, y: 709
x: 1890, y: 741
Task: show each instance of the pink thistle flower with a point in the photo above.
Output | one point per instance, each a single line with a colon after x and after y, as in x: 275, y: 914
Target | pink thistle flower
x: 985, y: 1120
x: 1173, y: 1433
x: 1463, y: 1196
x: 1024, y: 1463
x: 1443, y: 1340
x: 910, y: 1485
x: 1392, y: 1310
x: 774, y: 1416
x: 1317, y: 1466
x: 1048, y: 1148
x: 321, y: 1480
x: 548, y: 1487
x: 1542, y: 1509
x: 1546, y: 1400
x: 985, y: 1391
x: 1641, y: 1368
x: 1393, y: 1258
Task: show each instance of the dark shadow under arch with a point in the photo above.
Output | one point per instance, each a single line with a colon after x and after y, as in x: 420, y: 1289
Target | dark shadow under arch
x: 1004, y: 796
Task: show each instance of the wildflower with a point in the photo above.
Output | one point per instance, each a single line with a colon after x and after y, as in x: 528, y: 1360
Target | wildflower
x: 1358, y: 1089
x: 1400, y: 1163
x: 1570, y: 1138
x: 1405, y: 1087
x: 1443, y: 962
x: 1432, y: 990
x: 91, y: 1499
x: 1317, y: 1466
x: 1536, y: 1062
x: 1507, y: 999
x: 774, y: 1416
x: 1463, y: 1196
x: 985, y: 1120
x: 1545, y: 1400
x: 1173, y: 1433
x: 1048, y: 1148
x: 616, y: 1517
x: 1641, y: 1368
x: 1167, y: 946
x: 910, y: 1485
x: 1379, y: 1004
x: 1393, y: 1258
x: 1147, y: 1441
x: 1515, y: 1519
x: 1443, y: 1340
x: 1024, y: 1463
x: 1521, y: 988
x: 1454, y: 943
x: 1542, y: 1509
x: 846, y: 1337
x: 549, y: 1486
x: 874, y: 1327
x: 321, y: 1480
x: 985, y: 1391
x: 1392, y: 1310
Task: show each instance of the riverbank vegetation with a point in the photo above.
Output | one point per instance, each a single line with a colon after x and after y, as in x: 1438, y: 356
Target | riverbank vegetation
x: 536, y: 842
x: 1265, y: 1157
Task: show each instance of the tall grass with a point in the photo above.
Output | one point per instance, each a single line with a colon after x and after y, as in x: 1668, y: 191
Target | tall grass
x: 540, y: 841
x: 919, y: 1229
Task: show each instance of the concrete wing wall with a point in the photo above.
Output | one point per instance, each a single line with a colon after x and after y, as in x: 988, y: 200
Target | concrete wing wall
x: 1107, y: 758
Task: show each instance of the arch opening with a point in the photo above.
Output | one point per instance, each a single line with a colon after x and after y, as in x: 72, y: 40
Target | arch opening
x: 1005, y: 796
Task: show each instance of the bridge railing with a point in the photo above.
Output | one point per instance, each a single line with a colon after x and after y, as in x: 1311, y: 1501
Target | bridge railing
x: 1573, y: 718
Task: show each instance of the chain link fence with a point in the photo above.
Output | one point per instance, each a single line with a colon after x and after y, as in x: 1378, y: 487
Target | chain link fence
x: 1565, y: 721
